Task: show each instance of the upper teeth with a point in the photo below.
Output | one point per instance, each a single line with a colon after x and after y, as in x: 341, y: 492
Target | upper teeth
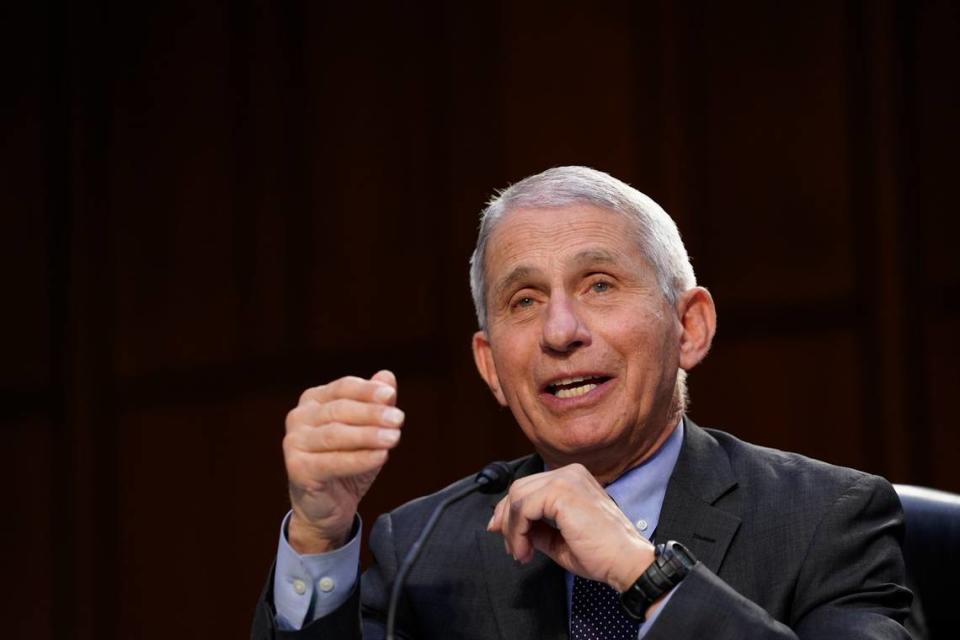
x: 575, y: 391
x: 571, y: 387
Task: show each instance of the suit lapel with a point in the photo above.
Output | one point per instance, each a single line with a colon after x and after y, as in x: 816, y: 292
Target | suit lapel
x: 700, y: 478
x: 529, y: 601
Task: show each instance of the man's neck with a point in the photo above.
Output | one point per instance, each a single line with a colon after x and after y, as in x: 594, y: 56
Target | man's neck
x: 609, y: 464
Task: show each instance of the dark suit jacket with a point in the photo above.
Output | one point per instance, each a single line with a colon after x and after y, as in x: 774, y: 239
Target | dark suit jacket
x: 788, y: 547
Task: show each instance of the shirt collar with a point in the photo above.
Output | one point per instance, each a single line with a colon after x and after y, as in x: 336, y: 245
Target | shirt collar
x: 639, y: 492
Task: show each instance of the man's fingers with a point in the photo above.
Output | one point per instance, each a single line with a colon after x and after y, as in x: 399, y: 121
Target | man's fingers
x: 519, y: 488
x: 353, y: 388
x: 344, y: 437
x: 516, y: 514
x: 523, y: 487
x: 337, y: 439
x: 494, y: 524
x: 385, y: 376
x: 519, y: 491
x: 527, y: 517
x: 520, y: 518
x: 312, y: 413
x: 545, y: 538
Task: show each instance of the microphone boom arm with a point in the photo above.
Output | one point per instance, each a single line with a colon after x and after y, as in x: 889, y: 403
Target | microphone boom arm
x: 492, y: 478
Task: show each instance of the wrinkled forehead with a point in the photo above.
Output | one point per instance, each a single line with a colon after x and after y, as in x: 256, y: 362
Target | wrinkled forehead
x: 580, y: 234
x: 535, y: 220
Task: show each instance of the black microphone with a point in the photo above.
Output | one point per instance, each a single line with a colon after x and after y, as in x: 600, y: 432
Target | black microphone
x: 492, y: 478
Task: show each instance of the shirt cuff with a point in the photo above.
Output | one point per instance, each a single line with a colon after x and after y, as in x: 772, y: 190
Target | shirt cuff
x: 316, y: 584
x: 645, y: 626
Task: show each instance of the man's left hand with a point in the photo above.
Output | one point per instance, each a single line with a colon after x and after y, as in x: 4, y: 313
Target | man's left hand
x: 566, y: 514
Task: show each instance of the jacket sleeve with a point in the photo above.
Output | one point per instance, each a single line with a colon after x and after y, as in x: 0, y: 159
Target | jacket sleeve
x: 848, y: 585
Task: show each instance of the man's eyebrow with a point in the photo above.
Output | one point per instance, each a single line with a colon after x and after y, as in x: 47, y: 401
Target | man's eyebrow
x: 585, y: 257
x: 595, y: 256
x: 518, y: 274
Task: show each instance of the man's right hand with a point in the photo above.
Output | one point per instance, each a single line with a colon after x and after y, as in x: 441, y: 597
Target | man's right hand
x: 337, y: 441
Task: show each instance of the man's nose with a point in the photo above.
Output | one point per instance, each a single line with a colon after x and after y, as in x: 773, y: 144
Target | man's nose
x: 564, y: 329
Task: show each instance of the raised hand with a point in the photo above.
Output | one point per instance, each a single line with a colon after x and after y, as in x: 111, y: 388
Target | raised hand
x: 338, y: 438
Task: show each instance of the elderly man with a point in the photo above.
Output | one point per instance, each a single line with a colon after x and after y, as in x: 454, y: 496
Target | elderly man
x: 629, y: 521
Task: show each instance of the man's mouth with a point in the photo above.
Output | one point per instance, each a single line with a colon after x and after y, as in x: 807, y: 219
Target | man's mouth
x: 573, y: 387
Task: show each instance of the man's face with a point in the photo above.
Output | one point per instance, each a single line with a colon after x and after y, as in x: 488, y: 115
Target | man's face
x: 580, y: 343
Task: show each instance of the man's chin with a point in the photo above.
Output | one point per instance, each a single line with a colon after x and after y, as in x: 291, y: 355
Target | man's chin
x: 590, y: 452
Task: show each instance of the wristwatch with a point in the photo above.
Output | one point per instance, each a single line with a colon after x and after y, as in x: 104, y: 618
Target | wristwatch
x: 671, y: 563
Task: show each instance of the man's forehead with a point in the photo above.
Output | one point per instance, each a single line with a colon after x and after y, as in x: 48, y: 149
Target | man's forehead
x: 584, y: 233
x: 587, y: 256
x: 518, y: 226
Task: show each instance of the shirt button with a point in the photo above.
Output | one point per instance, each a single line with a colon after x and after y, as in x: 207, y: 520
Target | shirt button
x: 299, y: 586
x: 326, y: 584
x: 642, y: 524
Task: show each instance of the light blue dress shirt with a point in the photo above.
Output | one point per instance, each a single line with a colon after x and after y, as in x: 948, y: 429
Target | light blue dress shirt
x: 311, y: 586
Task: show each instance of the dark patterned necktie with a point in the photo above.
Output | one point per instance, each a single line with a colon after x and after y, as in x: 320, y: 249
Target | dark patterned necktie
x: 596, y: 613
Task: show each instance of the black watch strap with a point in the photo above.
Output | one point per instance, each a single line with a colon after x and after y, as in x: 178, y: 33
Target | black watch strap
x: 672, y: 562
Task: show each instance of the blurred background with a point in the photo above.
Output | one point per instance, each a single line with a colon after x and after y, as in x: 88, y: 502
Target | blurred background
x: 207, y: 207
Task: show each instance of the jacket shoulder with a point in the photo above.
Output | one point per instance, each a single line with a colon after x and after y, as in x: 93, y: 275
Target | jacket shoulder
x: 794, y: 481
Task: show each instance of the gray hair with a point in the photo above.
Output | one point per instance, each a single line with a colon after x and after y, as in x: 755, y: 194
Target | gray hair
x: 656, y: 232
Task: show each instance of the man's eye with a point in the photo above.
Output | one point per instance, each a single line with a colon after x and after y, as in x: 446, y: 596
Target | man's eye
x: 523, y: 302
x: 600, y: 287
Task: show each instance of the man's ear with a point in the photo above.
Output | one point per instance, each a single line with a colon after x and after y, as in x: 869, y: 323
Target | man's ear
x: 698, y: 324
x: 483, y: 357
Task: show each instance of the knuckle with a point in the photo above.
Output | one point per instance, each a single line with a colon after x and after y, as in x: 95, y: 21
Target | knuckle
x: 304, y: 414
x: 346, y: 386
x: 291, y: 445
x: 331, y: 411
x: 296, y: 469
x: 291, y: 420
x: 322, y: 438
x: 309, y: 393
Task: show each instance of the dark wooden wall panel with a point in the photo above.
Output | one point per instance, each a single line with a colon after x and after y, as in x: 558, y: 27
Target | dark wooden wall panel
x: 560, y: 90
x: 198, y: 480
x: 28, y: 530
x: 207, y: 208
x: 770, y: 403
x: 940, y: 395
x: 25, y: 233
x: 771, y: 166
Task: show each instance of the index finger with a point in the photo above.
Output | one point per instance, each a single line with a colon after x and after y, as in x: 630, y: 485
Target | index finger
x: 386, y: 376
x: 352, y: 388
